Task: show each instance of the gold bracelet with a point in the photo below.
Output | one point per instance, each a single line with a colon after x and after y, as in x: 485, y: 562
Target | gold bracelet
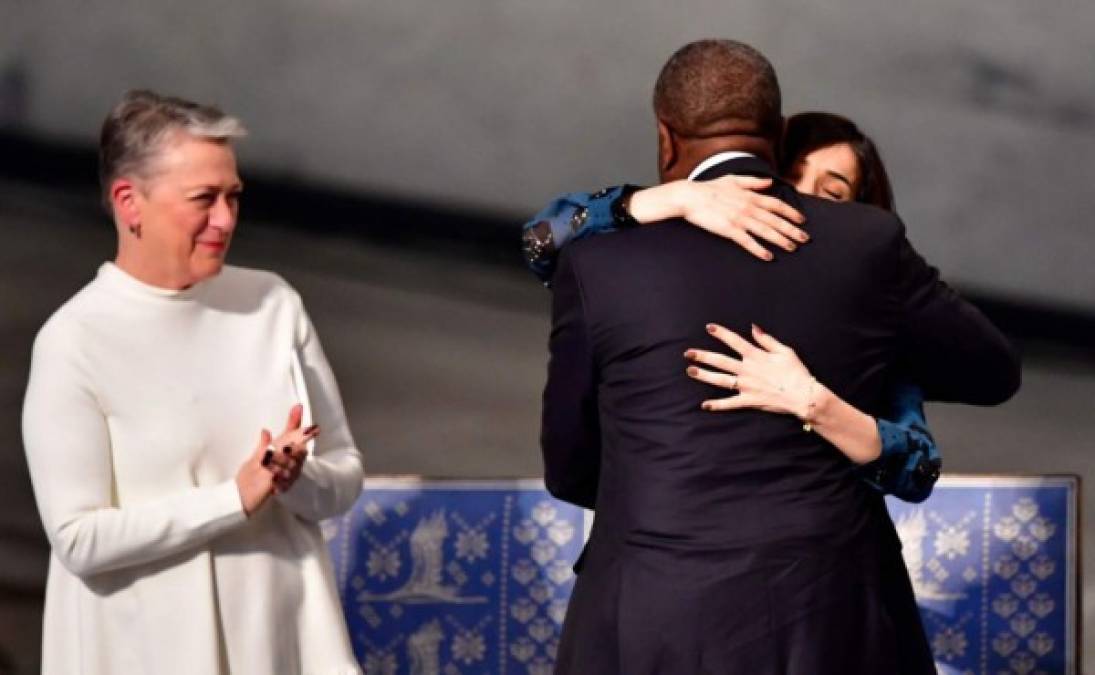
x: 807, y: 424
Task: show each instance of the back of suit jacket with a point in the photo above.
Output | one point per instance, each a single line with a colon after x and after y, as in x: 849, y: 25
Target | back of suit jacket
x: 623, y: 428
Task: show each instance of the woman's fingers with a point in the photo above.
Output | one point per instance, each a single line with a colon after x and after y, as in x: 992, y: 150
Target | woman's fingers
x: 749, y: 182
x: 763, y: 214
x: 742, y: 238
x: 732, y: 340
x: 308, y: 433
x: 255, y: 477
x: 730, y: 403
x: 732, y: 208
x: 773, y: 205
x: 292, y: 444
x: 714, y: 359
x: 264, y: 441
x: 767, y: 341
x: 711, y: 377
x: 741, y: 225
x: 296, y: 414
x: 287, y: 456
x: 286, y: 478
x: 755, y: 223
x: 264, y: 452
x: 302, y: 436
x: 783, y: 212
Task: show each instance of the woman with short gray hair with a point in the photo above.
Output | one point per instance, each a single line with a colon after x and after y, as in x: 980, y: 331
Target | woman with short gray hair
x: 185, y: 536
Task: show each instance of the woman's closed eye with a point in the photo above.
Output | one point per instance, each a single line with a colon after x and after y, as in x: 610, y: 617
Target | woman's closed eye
x: 836, y: 190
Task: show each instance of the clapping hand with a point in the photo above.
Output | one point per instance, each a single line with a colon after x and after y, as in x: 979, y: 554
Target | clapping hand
x: 276, y: 463
x: 286, y: 455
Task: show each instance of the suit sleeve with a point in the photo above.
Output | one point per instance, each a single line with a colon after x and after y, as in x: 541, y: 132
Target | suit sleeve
x: 955, y: 352
x: 570, y: 436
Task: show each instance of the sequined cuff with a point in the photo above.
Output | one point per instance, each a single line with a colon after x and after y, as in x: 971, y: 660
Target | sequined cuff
x: 621, y: 216
x: 538, y: 243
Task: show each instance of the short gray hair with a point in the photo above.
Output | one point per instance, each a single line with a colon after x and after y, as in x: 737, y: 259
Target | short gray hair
x: 137, y: 127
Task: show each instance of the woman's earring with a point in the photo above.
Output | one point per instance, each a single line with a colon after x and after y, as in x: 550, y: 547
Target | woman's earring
x: 135, y: 230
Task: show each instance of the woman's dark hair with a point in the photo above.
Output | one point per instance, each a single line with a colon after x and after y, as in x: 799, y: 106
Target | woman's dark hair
x: 809, y: 131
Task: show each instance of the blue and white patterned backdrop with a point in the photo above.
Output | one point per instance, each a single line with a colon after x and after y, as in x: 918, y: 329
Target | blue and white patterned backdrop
x: 993, y: 563
x: 448, y: 578
x: 451, y: 578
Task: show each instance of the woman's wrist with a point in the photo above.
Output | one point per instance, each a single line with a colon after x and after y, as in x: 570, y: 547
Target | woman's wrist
x: 813, y: 404
x: 660, y: 202
x: 851, y: 430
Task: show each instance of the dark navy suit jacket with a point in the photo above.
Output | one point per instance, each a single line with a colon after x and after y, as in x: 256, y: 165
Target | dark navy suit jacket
x: 727, y: 542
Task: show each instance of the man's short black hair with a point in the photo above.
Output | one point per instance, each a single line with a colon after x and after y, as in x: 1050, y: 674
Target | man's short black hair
x: 719, y: 87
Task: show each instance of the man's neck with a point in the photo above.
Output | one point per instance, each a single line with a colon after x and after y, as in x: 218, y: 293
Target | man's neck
x: 695, y: 153
x: 716, y: 159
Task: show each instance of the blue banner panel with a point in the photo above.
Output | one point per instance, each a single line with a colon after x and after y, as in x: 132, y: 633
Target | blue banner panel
x: 993, y: 563
x: 448, y: 578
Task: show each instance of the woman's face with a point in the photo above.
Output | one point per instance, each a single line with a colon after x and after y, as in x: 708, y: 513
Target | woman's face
x: 831, y: 172
x: 188, y: 208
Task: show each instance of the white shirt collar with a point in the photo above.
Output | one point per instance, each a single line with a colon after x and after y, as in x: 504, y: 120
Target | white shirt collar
x: 716, y: 159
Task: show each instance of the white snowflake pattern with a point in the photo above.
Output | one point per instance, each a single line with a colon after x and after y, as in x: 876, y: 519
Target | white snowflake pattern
x: 468, y: 648
x: 381, y: 664
x: 950, y: 644
x: 472, y: 545
x: 383, y: 563
x: 951, y: 542
x: 374, y: 513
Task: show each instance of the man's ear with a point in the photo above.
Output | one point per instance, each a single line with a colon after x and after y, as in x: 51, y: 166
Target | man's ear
x: 667, y: 148
x: 124, y: 199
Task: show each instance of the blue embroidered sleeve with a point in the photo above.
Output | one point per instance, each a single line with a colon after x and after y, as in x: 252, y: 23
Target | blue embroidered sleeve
x: 569, y: 217
x: 910, y: 460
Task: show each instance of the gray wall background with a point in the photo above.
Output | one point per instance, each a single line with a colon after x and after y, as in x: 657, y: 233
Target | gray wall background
x: 985, y: 110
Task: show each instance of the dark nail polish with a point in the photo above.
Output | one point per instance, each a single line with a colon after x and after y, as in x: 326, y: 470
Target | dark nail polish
x: 287, y: 449
x: 267, y: 457
x: 311, y: 428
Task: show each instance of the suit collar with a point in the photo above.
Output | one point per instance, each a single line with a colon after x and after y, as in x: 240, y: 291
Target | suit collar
x: 715, y: 160
x: 735, y: 163
x: 742, y: 164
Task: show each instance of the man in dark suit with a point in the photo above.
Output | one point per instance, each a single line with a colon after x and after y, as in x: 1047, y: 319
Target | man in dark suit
x: 738, y: 542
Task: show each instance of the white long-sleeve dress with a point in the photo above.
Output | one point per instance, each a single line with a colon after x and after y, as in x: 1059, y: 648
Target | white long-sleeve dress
x: 142, y: 405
